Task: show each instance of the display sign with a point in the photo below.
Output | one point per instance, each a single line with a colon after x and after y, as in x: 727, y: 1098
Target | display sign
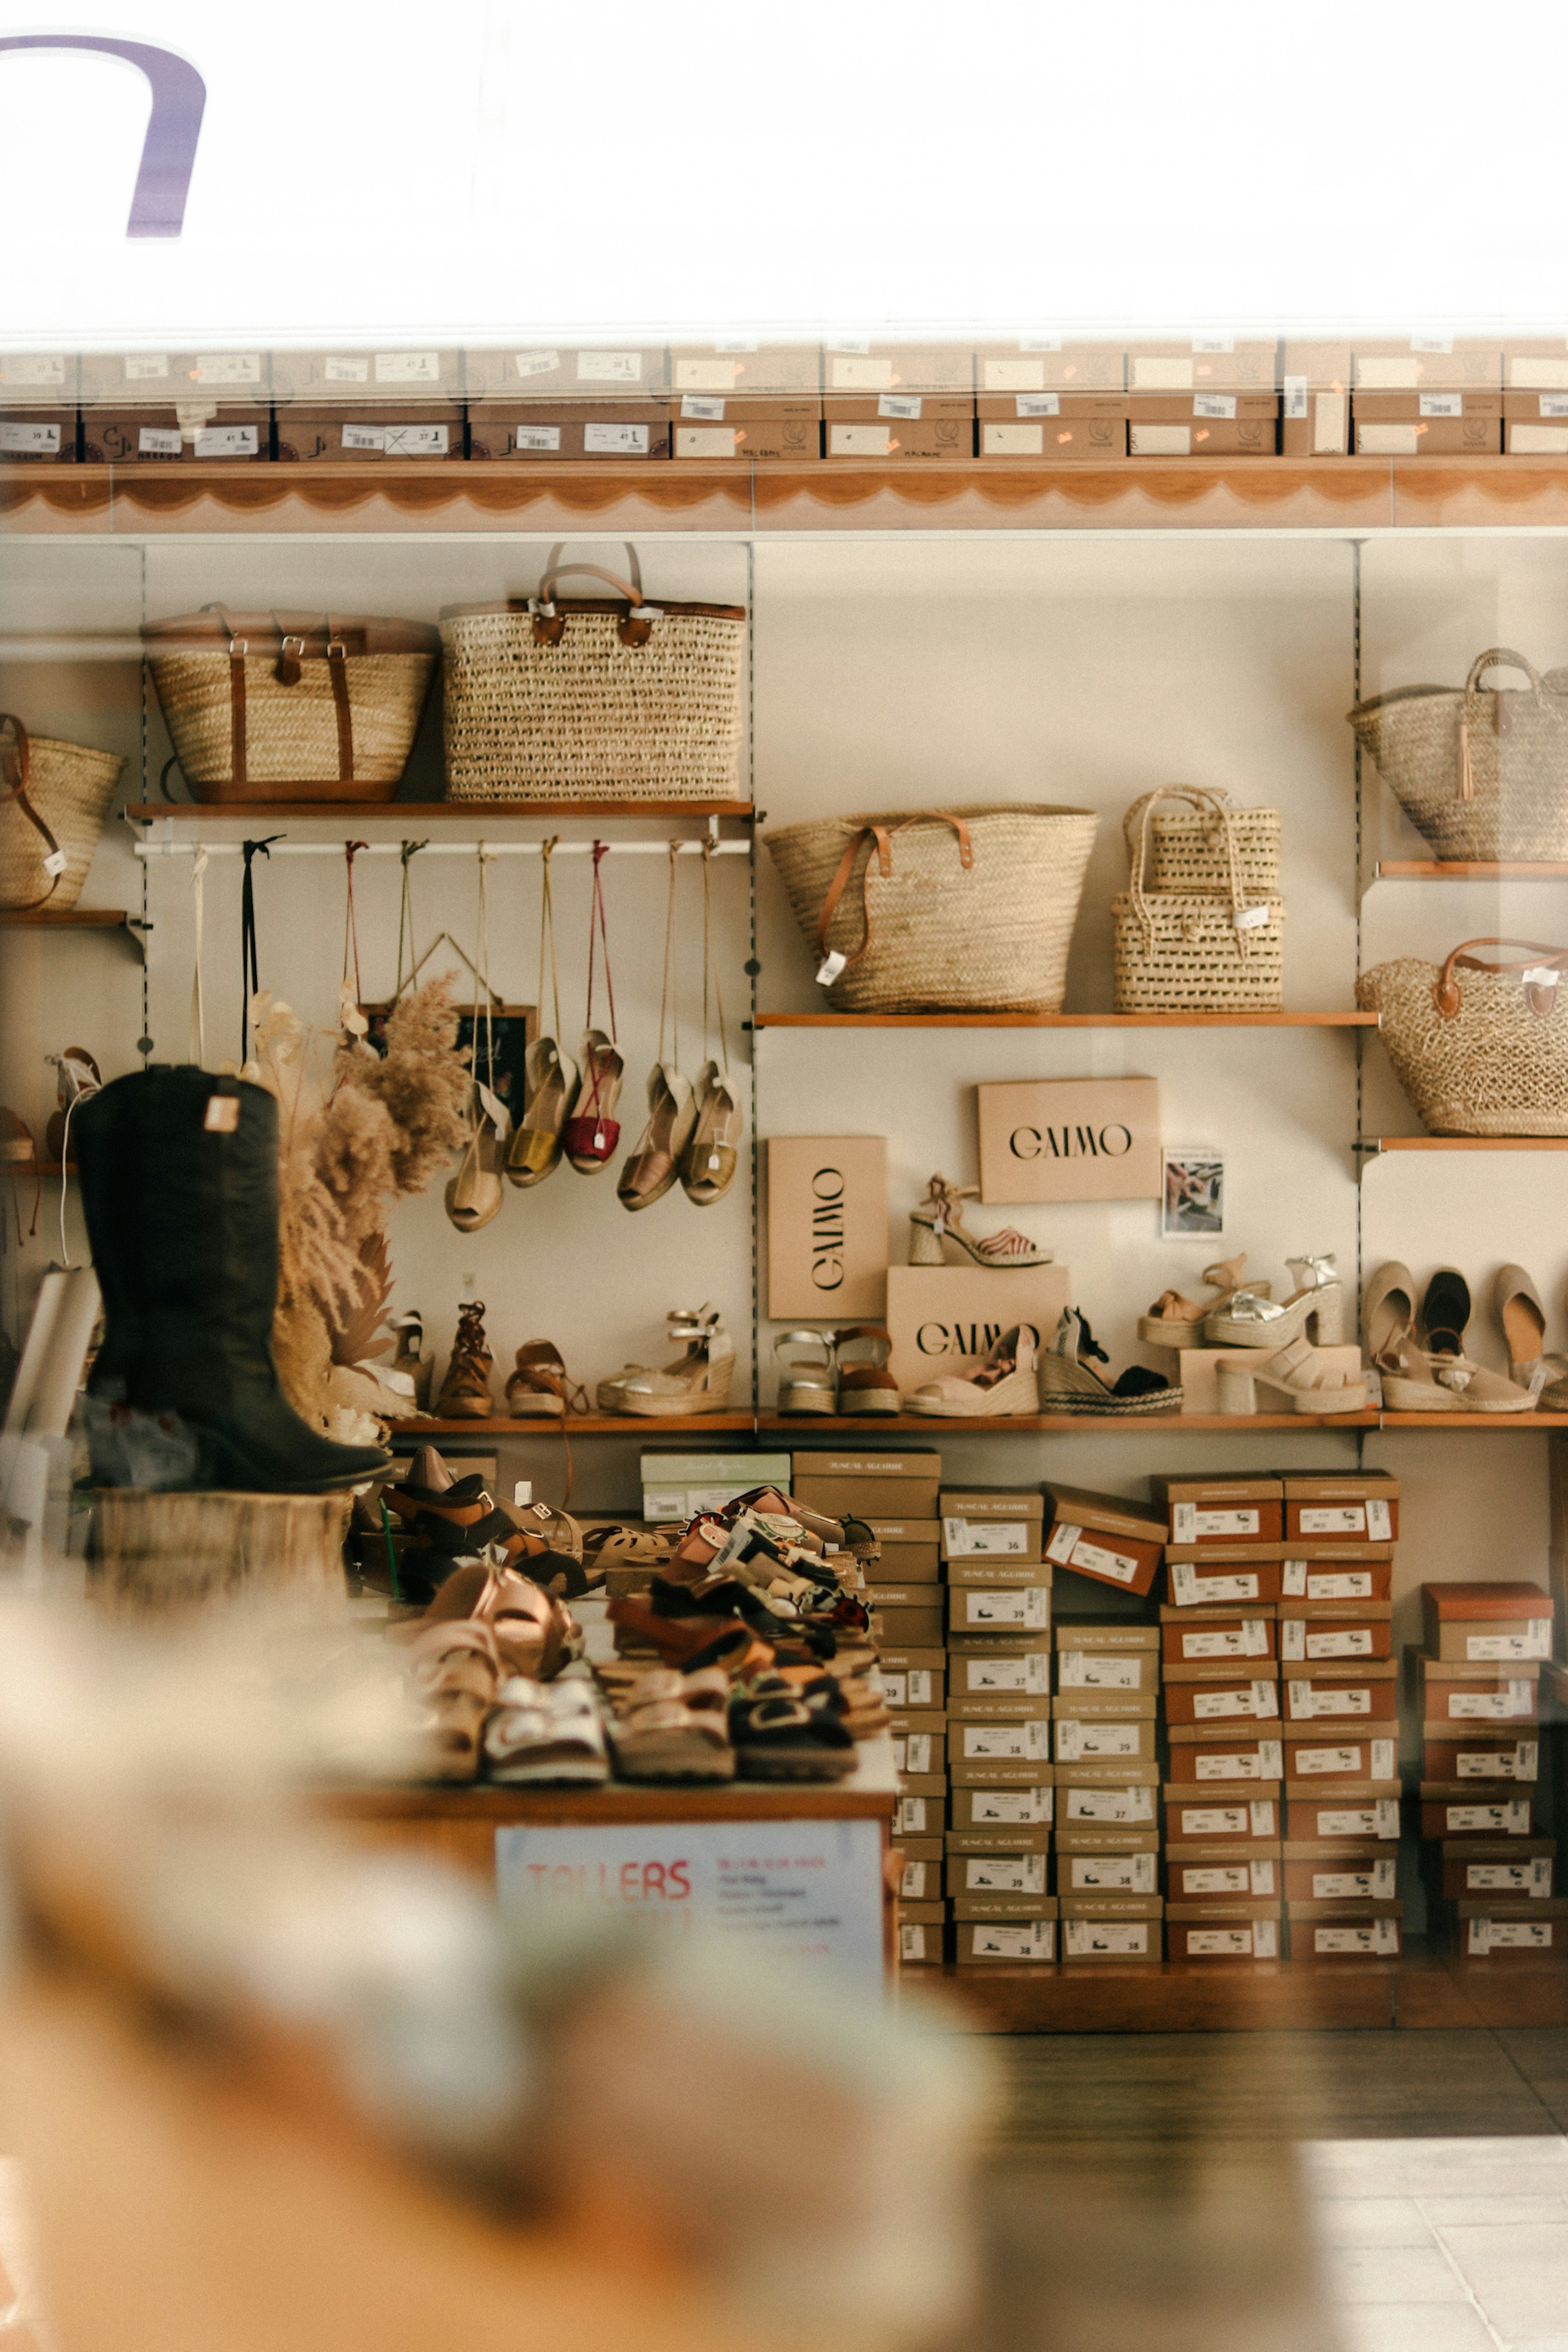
x: 808, y: 1893
x: 1070, y: 1139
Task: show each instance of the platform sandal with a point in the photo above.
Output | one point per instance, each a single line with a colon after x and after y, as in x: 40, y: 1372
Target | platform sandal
x: 1314, y: 1310
x: 1005, y: 1382
x: 545, y: 1732
x: 551, y: 1080
x: 865, y: 1385
x: 591, y: 1135
x: 1296, y: 1377
x: 466, y: 1391
x: 712, y: 1156
x: 686, y: 1324
x: 655, y: 1164
x: 808, y: 1382
x: 940, y: 1219
x: 1069, y: 1382
x: 1173, y: 1321
x: 701, y: 1384
x: 475, y: 1194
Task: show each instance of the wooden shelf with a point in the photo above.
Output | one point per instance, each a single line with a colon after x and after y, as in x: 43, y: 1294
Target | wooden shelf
x: 579, y: 1424
x: 1066, y: 1021
x: 357, y: 813
x: 1372, y: 1145
x: 870, y: 1794
x: 1034, y: 1424
x: 73, y: 919
x: 1431, y: 869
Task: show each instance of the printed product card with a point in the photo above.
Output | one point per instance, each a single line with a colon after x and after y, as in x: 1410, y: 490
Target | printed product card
x: 1088, y: 1939
x: 1012, y: 1808
x: 827, y: 1227
x: 987, y: 1539
x: 1029, y: 1674
x: 1115, y: 1873
x: 1377, y: 1936
x: 1483, y: 1936
x: 1510, y: 1819
x: 1188, y: 1590
x: 1034, y: 1939
x: 1126, y: 1806
x: 1248, y: 1640
x: 1503, y: 1648
x: 1071, y: 1547
x: 1070, y: 1139
x: 1191, y: 1523
x: 1084, y: 1670
x: 1531, y: 1878
x: 1009, y: 1874
x: 1081, y: 1742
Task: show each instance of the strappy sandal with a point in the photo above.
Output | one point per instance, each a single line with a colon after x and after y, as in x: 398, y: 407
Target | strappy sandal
x: 655, y: 1164
x: 19, y: 1160
x: 531, y: 1632
x: 546, y: 1732
x: 865, y: 1386
x: 541, y: 1384
x: 466, y: 1391
x: 689, y: 1643
x: 591, y: 1135
x: 810, y: 1364
x: 1173, y: 1321
x: 550, y: 1078
x: 778, y: 1739
x: 625, y: 1548
x: 713, y: 1154
x: 453, y: 1671
x: 1294, y: 1373
x: 475, y: 1194
x: 1006, y: 1383
x: 1069, y: 1382
x: 940, y: 1218
x: 702, y: 1384
x: 1314, y: 1310
x: 686, y: 1324
x: 411, y: 1363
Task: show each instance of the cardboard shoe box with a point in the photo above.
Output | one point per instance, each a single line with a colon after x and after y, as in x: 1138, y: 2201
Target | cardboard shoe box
x: 537, y: 431
x: 1333, y: 1872
x: 1208, y: 1512
x: 868, y: 1485
x: 764, y: 432
x: 1087, y: 1866
x: 348, y: 435
x: 1426, y: 364
x: 1118, y: 1660
x: 1346, y: 1931
x: 1031, y: 428
x: 992, y: 1523
x: 681, y: 1486
x: 1315, y: 408
x: 1519, y: 1867
x: 1104, y: 1539
x: 916, y: 1689
x: 1492, y: 1927
x: 1237, y: 1928
x: 746, y: 371
x: 1101, y: 1740
x: 1487, y: 1625
x: 1086, y: 1804
x: 897, y: 1627
x: 1232, y: 1754
x: 920, y: 1870
x: 1216, y: 1634
x: 191, y: 432
x: 1220, y: 1694
x: 999, y: 1754
x: 1535, y: 424
x: 919, y: 1945
x: 1332, y: 1506
x: 50, y: 381
x: 1342, y: 1571
x: 857, y: 364
x: 1104, y: 1706
x: 911, y: 1549
x: 1239, y: 1821
x: 1202, y: 425
x: 1427, y: 424
x: 1213, y: 1577
x: 1110, y: 1926
x: 1226, y: 1869
x: 129, y: 380
x: 350, y: 379
x: 1478, y: 1816
x: 1007, y: 1610
x: 1321, y: 1764
x: 1330, y: 1633
x: 1454, y: 1693
x: 987, y: 1677
x: 496, y: 373
x: 1478, y: 1754
x: 1045, y: 1141
x: 918, y: 1817
x: 945, y: 1320
x: 1050, y: 363
x: 1019, y: 1873
x: 900, y: 424
x: 1204, y: 363
x: 1002, y: 1811
x: 1364, y: 1692
x: 1010, y: 1941
x: 36, y: 436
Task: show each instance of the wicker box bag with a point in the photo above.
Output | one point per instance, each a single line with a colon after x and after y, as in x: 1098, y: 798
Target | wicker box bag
x: 576, y: 699
x: 1481, y: 774
x: 1216, y: 949
x: 1487, y: 1055
x: 54, y: 797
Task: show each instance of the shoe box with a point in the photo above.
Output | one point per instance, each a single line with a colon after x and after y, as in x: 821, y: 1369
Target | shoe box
x: 1021, y: 1871
x: 1497, y: 1927
x: 989, y: 1676
x: 1203, y: 363
x: 1361, y: 1692
x: 1327, y: 1763
x: 354, y: 379
x: 781, y: 428
x: 1442, y: 424
x: 992, y: 1524
x: 868, y: 1485
x: 1203, y: 423
x: 895, y: 425
x: 1211, y: 1754
x: 1334, y: 1871
x: 920, y: 1868
x: 1051, y: 427
x: 1426, y: 364
x: 1348, y: 1811
x: 679, y: 1485
x: 1202, y: 1870
x: 1535, y: 424
x: 745, y: 371
x: 152, y: 407
x: 310, y: 436
x: 914, y: 1681
x: 1228, y: 1927
x: 1238, y: 1819
x: 1085, y: 1735
x: 1214, y: 1576
x: 980, y: 1600
x: 1222, y: 1694
x: 1336, y: 1571
x: 1346, y: 1931
x: 1107, y: 1861
x: 1221, y: 1510
x: 921, y: 1813
x: 1006, y: 1939
x: 920, y: 1940
x: 1479, y: 1624
x: 1518, y: 1868
x: 1334, y: 1633
x: 1050, y: 363
x: 1331, y: 1507
x: 1109, y: 1927
x: 1239, y: 1634
x: 1002, y: 1754
x: 1314, y: 407
x: 902, y: 1620
x: 1104, y: 1539
x: 1453, y: 1693
x: 1004, y: 1808
x: 944, y: 1319
x: 1121, y: 1658
x: 1477, y: 1753
x: 33, y: 431
x: 911, y: 1550
x: 1476, y: 1813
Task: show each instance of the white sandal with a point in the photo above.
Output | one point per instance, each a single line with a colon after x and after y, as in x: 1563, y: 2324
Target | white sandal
x: 810, y: 1363
x: 1006, y: 1383
x: 1294, y: 1373
x: 940, y: 1218
x: 1248, y: 1319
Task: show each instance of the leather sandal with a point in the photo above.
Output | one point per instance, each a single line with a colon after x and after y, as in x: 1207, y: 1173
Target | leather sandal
x: 713, y: 1151
x: 1294, y: 1374
x: 1173, y: 1321
x: 541, y: 1384
x: 865, y: 1386
x: 776, y: 1737
x: 667, y: 1727
x: 550, y: 1087
x: 530, y: 1631
x: 543, y: 1732
x: 808, y: 1382
x: 1006, y: 1383
x: 466, y: 1391
x: 655, y: 1164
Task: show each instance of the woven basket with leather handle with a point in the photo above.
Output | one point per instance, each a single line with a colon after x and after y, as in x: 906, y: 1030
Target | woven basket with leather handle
x: 267, y: 706
x: 54, y: 798
x: 565, y: 697
x: 1195, y: 951
x: 1479, y: 775
x: 944, y: 909
x: 1484, y: 1053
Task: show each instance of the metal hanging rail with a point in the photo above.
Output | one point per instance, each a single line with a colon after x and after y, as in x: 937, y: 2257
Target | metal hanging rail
x: 154, y: 849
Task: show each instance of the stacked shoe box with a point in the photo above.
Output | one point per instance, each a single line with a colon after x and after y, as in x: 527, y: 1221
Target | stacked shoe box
x: 895, y: 1494
x: 998, y: 1726
x: 1104, y: 1730
x: 1477, y: 1678
x: 1338, y: 1687
x: 1219, y: 1665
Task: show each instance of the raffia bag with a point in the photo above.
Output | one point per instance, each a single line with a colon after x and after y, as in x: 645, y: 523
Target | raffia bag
x: 266, y: 707
x: 570, y: 698
x: 1192, y: 850
x: 54, y: 797
x: 1485, y: 1056
x: 1480, y: 775
x: 1197, y: 951
x: 946, y: 910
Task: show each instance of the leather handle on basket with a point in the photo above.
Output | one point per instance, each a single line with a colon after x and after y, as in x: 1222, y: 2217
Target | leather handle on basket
x: 338, y: 671
x: 19, y: 793
x: 1494, y: 658
x: 882, y: 836
x: 550, y: 626
x: 238, y: 648
x: 1446, y: 992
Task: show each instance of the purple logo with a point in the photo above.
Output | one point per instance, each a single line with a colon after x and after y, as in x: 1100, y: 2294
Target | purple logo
x: 169, y: 149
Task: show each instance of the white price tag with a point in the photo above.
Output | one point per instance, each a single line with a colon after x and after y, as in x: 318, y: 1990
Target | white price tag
x: 912, y: 1885
x: 987, y: 1539
x: 1219, y: 1943
x: 1540, y: 975
x: 615, y: 440
x: 1214, y: 403
x: 1441, y: 344
x: 1379, y: 1520
x: 1103, y: 1805
x: 1212, y: 344
x: 1262, y: 1812
x: 911, y: 1813
x: 1251, y: 918
x: 898, y: 404
x: 364, y: 436
x: 35, y: 372
x: 228, y: 367
x: 910, y: 1943
x: 55, y: 864
x: 1040, y: 342
x: 1039, y: 403
x: 608, y: 367
x: 735, y: 343
x: 918, y: 1752
x: 1184, y: 1523
x: 542, y: 438
x: 227, y: 441
x: 532, y: 364
x: 1035, y: 1940
x: 1353, y: 1584
x: 1243, y: 1765
x: 1508, y: 1820
x: 1110, y: 1938
x: 852, y: 343
x: 1113, y: 1873
x: 1231, y: 1878
x: 1485, y: 1649
x: 346, y: 371
x: 158, y: 441
x: 1217, y: 1820
x: 830, y: 968
x: 1224, y: 1642
x: 1339, y: 1761
x: 1293, y: 1579
x: 1012, y: 1807
x: 29, y: 440
x: 1085, y: 1742
x: 704, y: 412
x: 1382, y: 1759
x: 1442, y: 403
x: 1351, y: 1641
x: 147, y: 367
x: 1293, y: 1639
x: 1336, y: 1520
x: 1080, y: 1670
x: 1007, y: 1743
x: 1096, y: 1561
x: 1554, y: 404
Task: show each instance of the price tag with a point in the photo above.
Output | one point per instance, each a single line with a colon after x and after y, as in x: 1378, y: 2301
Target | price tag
x: 735, y: 343
x: 543, y: 439
x: 1214, y: 403
x: 852, y: 344
x: 1118, y: 1567
x: 55, y: 864
x: 1379, y: 1520
x: 158, y: 441
x: 34, y: 371
x: 1355, y: 1643
x: 830, y: 968
x: 416, y: 441
x: 228, y: 367
x: 346, y: 371
x: 1039, y: 403
x: 146, y: 367
x: 1353, y: 1584
x: 364, y: 436
x: 1013, y: 1807
x: 1442, y: 344
x: 1213, y: 343
x: 706, y: 412
x: 1040, y: 344
x: 1554, y: 404
x: 408, y: 367
x: 1251, y: 918
x: 1442, y: 403
x: 899, y: 404
x: 532, y: 364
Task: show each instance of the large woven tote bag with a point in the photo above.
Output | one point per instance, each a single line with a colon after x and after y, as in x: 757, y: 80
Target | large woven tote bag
x: 567, y: 697
x: 1209, y: 949
x: 266, y: 707
x: 1480, y: 774
x: 944, y: 911
x: 54, y: 797
x: 1487, y: 1055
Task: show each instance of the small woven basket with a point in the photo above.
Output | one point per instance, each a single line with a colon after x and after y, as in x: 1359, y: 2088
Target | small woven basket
x: 1480, y: 775
x: 578, y: 699
x: 1190, y: 852
x: 1487, y: 1056
x: 54, y: 798
x: 946, y: 909
x: 1189, y: 951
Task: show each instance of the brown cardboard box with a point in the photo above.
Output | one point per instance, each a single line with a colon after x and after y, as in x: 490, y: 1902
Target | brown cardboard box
x: 918, y: 1816
x: 994, y: 1523
x: 1116, y: 1928
x: 945, y: 1320
x: 1425, y: 364
x: 540, y: 431
x: 1102, y: 1741
x: 870, y: 1483
x: 900, y: 424
x: 925, y: 1593
x: 1135, y: 1872
x: 134, y: 380
x: 1341, y: 1756
x: 1346, y: 1931
x: 1326, y: 1633
x: 921, y: 1849
x: 1477, y: 1814
x: 1202, y: 425
x: 1222, y: 1931
x: 1217, y: 1635
x: 994, y: 1771
x: 917, y: 1690
x: 1050, y: 363
x: 919, y: 1723
x: 1108, y: 1637
x: 1009, y: 1706
x: 1520, y: 1867
x: 920, y: 1755
x: 1335, y: 1507
x: 1087, y: 1666
x: 1008, y: 1810
x: 350, y: 435
x: 918, y: 1655
x: 1218, y: 1695
x: 1535, y: 424
x: 1315, y: 406
x: 1228, y: 1870
x: 1223, y: 1509
x: 1020, y: 1743
x: 318, y: 379
x: 47, y: 380
x: 921, y: 1881
x: 931, y: 1913
x: 1195, y: 1818
x: 1487, y: 1623
x: 36, y: 436
x: 1005, y: 1610
x: 1492, y: 1928
x: 1201, y: 363
x: 987, y: 1677
x: 1104, y: 1706
x: 1009, y: 1941
x: 1213, y: 1576
x: 1198, y: 1754
x: 1346, y: 1816
x: 1321, y: 1571
x: 777, y: 432
x: 996, y: 1907
x: 1337, y: 1872
x: 1480, y: 1754
x: 1084, y: 1803
x: 197, y: 432
x: 1534, y: 363
x: 1362, y: 1693
x: 1451, y: 1693
x: 919, y: 1945
x: 1104, y: 1539
x: 908, y: 1628
x: 555, y: 372
x: 1091, y: 1837
x: 1031, y: 428
x: 748, y: 370
x: 1069, y: 1140
x: 911, y: 1549
x: 829, y: 1231
x: 1427, y: 424
x: 854, y: 364
x: 1019, y: 1872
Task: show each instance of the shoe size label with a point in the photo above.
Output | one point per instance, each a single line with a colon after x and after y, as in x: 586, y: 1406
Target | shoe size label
x: 1340, y: 1519
x: 1264, y: 1762
x: 987, y: 1539
x: 227, y: 441
x: 1087, y: 1939
x: 1099, y: 1561
x: 1374, y: 1884
x: 1007, y: 1743
x: 1379, y: 1520
x: 1115, y: 1873
x: 1082, y: 1670
x: 1254, y: 1943
x: 1124, y: 1805
x: 1501, y: 1648
x: 1029, y: 1674
x: 1377, y: 1936
x: 1233, y: 1878
x: 1079, y: 1742
x: 913, y: 1754
x: 615, y: 440
x: 1532, y: 1878
x: 1307, y: 1701
x: 1029, y: 1608
x: 910, y: 1816
x: 1491, y: 1707
x: 1011, y: 1808
x: 1259, y: 1700
x: 1508, y: 1935
x: 1248, y: 1640
x: 1349, y: 1642
x: 1347, y: 1584
x: 1190, y: 1525
x: 1188, y: 1589
x: 1343, y: 1762
x: 1034, y: 1940
x: 1510, y: 1819
x: 1520, y: 1763
x: 1004, y: 1873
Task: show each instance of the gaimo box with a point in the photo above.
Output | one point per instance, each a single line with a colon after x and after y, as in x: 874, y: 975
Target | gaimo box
x: 1050, y: 363
x: 1331, y: 1632
x: 1202, y: 425
x: 1487, y: 1623
x: 1223, y: 1929
x: 1216, y: 1635
x: 827, y: 1233
x: 1512, y: 1866
x: 1427, y: 424
x: 899, y: 425
x: 1335, y: 1507
x: 1051, y: 427
x: 1103, y: 1537
x: 370, y: 435
x: 1240, y: 1510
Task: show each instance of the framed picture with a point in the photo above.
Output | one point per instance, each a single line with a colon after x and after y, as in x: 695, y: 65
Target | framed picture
x: 1192, y: 1195
x: 513, y: 1028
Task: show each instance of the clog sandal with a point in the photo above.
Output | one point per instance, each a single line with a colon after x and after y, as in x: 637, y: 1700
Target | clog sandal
x: 546, y: 1732
x: 1315, y: 1310
x: 625, y: 1548
x: 1446, y: 1313
x: 1006, y: 1383
x: 1069, y: 1384
x: 1295, y: 1377
x: 865, y: 1385
x: 778, y: 1739
x: 1173, y: 1321
x: 550, y: 1087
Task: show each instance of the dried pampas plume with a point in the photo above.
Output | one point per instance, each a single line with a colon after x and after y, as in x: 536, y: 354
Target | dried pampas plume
x: 377, y: 1127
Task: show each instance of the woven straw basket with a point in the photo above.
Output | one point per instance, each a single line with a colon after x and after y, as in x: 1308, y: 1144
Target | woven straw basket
x: 291, y: 706
x: 1190, y: 851
x: 950, y: 909
x: 1485, y: 1056
x: 579, y: 699
x: 1193, y: 950
x: 54, y: 798
x: 1480, y: 775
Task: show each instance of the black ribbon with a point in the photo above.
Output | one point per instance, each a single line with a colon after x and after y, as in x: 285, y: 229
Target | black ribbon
x: 250, y: 975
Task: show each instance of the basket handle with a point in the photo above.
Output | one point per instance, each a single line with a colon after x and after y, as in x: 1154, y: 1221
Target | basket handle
x: 1494, y: 658
x: 1539, y: 996
x: 882, y: 836
x: 632, y: 628
x: 1502, y: 657
x: 1205, y: 798
x: 54, y: 857
x: 287, y: 672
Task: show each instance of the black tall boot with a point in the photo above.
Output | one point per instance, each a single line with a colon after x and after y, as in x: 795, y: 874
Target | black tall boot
x: 179, y: 1182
